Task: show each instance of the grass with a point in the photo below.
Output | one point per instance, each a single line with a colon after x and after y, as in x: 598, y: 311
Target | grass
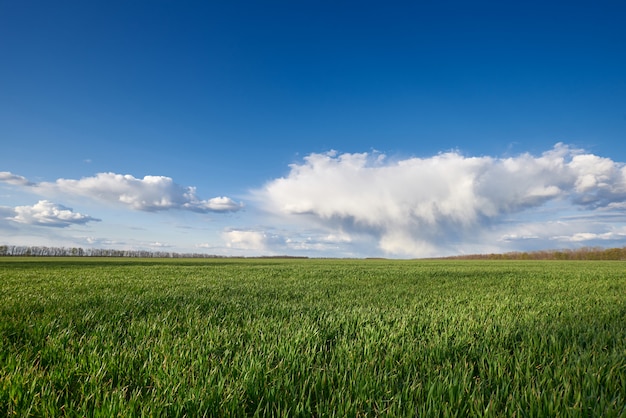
x: 227, y: 337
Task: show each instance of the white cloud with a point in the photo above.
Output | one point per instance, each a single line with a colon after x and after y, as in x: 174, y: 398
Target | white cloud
x: 246, y: 240
x: 10, y: 178
x: 319, y: 243
x: 45, y: 213
x: 446, y: 203
x: 271, y: 241
x: 216, y: 204
x: 157, y: 244
x: 599, y: 181
x: 592, y: 236
x: 152, y: 193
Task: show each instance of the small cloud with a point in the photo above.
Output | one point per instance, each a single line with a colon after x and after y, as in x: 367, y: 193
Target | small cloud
x: 311, y: 242
x: 216, y: 204
x: 581, y: 236
x: 517, y: 237
x: 246, y: 240
x: 10, y: 178
x: 158, y: 245
x: 591, y: 236
x: 100, y: 242
x: 45, y: 213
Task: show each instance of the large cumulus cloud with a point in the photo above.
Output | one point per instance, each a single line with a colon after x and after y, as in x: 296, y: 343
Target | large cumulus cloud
x: 421, y: 206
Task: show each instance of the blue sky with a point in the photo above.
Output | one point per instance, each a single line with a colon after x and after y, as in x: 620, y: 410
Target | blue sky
x: 348, y: 129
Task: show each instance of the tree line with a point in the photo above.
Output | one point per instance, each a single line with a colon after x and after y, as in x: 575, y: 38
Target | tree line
x: 43, y: 251
x: 584, y: 253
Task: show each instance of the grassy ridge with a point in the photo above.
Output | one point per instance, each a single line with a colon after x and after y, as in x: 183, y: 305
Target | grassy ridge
x: 311, y: 338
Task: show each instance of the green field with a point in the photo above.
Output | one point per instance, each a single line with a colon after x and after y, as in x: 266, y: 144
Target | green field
x: 270, y: 337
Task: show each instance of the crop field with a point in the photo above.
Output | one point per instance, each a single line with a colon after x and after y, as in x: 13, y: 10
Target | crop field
x: 285, y: 337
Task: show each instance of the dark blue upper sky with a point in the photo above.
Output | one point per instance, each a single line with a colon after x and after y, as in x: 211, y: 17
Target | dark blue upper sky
x: 225, y: 94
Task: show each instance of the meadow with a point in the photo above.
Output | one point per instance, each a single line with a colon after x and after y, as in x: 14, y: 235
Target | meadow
x: 279, y: 337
